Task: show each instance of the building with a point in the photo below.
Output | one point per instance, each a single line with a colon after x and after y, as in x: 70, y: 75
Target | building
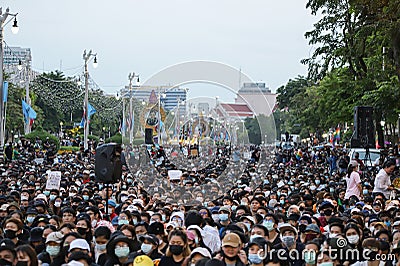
x: 17, y: 64
x: 233, y: 111
x: 173, y: 96
x: 256, y: 95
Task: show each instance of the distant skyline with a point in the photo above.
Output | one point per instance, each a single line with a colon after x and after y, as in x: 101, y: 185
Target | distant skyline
x: 264, y: 38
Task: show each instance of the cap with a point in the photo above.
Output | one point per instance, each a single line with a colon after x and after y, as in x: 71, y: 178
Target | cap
x: 7, y: 244
x: 294, y: 217
x: 202, y: 251
x: 112, y: 203
x: 41, y: 197
x: 353, y: 163
x: 326, y: 204
x: 259, y: 241
x: 54, y: 237
x: 156, y: 228
x: 151, y: 238
x: 287, y: 227
x: 231, y: 239
x: 80, y: 244
x: 225, y: 208
x: 86, y: 172
x: 143, y: 260
x: 248, y: 217
x: 313, y: 228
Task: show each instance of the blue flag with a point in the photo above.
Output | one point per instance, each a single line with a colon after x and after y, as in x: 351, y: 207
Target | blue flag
x: 91, y: 111
x: 28, y: 112
x: 5, y: 91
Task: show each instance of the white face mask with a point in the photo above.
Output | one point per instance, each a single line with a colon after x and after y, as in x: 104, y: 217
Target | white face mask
x: 353, y: 239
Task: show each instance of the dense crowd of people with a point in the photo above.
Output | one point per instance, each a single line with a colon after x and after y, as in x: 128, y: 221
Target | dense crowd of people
x: 247, y: 206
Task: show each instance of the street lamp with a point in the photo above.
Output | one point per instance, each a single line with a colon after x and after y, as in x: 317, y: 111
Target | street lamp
x: 3, y: 23
x: 160, y: 95
x: 86, y: 58
x: 131, y: 76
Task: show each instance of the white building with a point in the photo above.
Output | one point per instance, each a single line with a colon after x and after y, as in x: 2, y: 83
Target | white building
x: 259, y: 98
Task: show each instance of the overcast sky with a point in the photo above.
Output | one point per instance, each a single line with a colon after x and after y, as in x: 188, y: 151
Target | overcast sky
x: 265, y: 38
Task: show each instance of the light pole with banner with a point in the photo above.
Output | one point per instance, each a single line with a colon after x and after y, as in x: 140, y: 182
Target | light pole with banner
x: 14, y: 29
x: 86, y: 58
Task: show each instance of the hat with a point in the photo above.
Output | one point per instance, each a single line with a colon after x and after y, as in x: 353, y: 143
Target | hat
x: 225, y: 208
x: 287, y: 227
x: 397, y: 223
x: 202, y: 251
x: 215, y: 209
x: 80, y: 244
x: 119, y: 238
x: 143, y: 260
x: 112, y: 203
x: 7, y: 244
x: 54, y: 237
x: 231, y: 239
x: 86, y: 172
x: 41, y: 197
x: 151, y: 238
x: 308, y: 197
x: 138, y: 202
x: 36, y: 234
x: 313, y: 228
x: 156, y: 228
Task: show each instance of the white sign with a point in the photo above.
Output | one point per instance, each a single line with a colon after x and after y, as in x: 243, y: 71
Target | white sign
x: 38, y: 160
x: 281, y: 184
x: 247, y: 155
x: 53, y: 180
x: 174, y: 174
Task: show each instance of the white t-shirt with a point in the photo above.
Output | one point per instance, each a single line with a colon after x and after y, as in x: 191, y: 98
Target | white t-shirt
x: 382, y: 182
x: 352, y: 185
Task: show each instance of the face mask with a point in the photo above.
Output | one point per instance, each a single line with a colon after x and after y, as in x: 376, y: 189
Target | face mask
x: 47, y: 193
x: 278, y: 193
x: 328, y: 212
x: 53, y: 250
x: 288, y: 240
x: 71, y: 194
x: 372, y: 229
x: 163, y: 217
x: 223, y: 217
x: 124, y: 198
x: 30, y: 219
x: 387, y: 223
x: 353, y: 239
x: 317, y: 182
x: 85, y: 197
x: 94, y: 223
x: 122, y: 221
x: 176, y: 249
x: 234, y: 208
x: 146, y: 248
x: 215, y: 217
x: 310, y: 237
x: 282, y: 201
x: 309, y: 257
x: 134, y: 220
x: 11, y: 234
x: 5, y: 262
x: 129, y: 181
x: 57, y: 204
x: 252, y: 237
x: 331, y: 235
x: 100, y: 247
x: 254, y: 259
x: 81, y: 230
x: 313, y: 188
x: 52, y: 197
x: 201, y: 199
x: 331, y: 190
x: 24, y: 198
x: 243, y: 203
x: 325, y: 264
x: 269, y: 225
x: 248, y: 226
x: 22, y: 263
x: 365, y: 191
x: 122, y: 252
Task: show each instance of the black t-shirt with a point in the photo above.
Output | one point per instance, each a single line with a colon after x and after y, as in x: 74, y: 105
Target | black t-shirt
x: 169, y: 261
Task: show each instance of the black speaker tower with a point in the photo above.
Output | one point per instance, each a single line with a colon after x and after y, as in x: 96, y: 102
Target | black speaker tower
x: 148, y: 136
x: 364, y: 129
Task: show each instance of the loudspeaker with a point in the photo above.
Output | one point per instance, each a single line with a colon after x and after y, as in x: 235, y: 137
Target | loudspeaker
x: 108, y: 166
x: 148, y: 136
x: 364, y: 130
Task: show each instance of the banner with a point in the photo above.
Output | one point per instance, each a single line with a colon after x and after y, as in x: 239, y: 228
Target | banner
x: 53, y: 180
x: 5, y: 91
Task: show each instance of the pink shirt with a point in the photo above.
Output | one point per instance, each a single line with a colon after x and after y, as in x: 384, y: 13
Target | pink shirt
x: 352, y: 188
